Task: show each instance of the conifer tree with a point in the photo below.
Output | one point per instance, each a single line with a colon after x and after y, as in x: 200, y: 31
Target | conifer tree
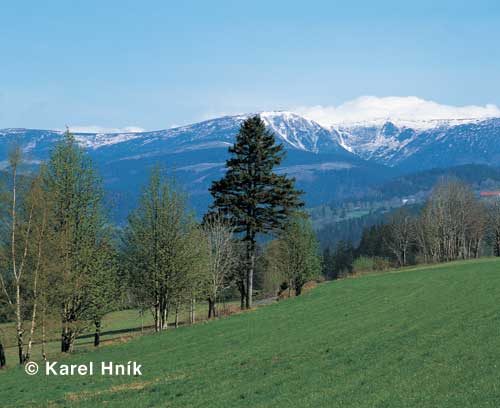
x: 251, y: 194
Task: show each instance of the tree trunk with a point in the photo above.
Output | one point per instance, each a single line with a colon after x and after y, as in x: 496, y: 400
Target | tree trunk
x: 193, y: 311
x: 157, y: 319
x: 72, y: 339
x: 241, y: 288
x: 35, y: 296
x: 64, y: 341
x: 67, y: 339
x: 19, y: 324
x: 211, y: 308
x: 44, y: 356
x: 33, y: 325
x: 97, y: 334
x: 27, y: 356
x: 250, y: 272
x: 176, y: 316
x: 2, y: 356
x: 164, y: 318
x: 298, y: 288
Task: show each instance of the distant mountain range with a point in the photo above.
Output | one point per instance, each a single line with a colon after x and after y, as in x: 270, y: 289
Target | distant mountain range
x: 328, y: 162
x: 447, y: 143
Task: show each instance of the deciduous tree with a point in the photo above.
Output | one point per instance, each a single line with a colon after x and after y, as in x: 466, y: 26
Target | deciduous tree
x: 76, y: 231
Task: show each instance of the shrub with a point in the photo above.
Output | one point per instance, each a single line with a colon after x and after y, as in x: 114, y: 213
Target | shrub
x: 367, y: 264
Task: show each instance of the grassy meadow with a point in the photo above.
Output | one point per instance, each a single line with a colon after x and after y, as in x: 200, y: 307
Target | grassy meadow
x: 421, y: 337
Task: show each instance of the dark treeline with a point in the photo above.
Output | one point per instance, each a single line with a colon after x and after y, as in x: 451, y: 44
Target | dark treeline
x: 452, y: 225
x: 63, y: 264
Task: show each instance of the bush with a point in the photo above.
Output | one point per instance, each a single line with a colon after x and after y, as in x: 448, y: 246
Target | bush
x: 367, y: 264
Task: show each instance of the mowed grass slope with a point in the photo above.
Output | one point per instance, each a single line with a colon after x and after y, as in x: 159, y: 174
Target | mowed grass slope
x: 426, y: 337
x: 116, y: 327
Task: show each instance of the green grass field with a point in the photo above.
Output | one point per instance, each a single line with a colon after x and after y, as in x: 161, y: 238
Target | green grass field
x: 117, y: 326
x: 423, y: 337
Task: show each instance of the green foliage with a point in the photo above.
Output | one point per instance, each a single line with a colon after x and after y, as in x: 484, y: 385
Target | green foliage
x: 104, y: 289
x: 78, y: 245
x: 271, y: 276
x: 343, y: 259
x: 329, y: 234
x: 374, y: 242
x: 251, y: 194
x: 294, y: 257
x: 165, y: 251
x: 366, y: 264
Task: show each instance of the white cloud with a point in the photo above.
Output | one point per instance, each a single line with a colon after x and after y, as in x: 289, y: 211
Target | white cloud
x: 397, y: 109
x: 100, y: 129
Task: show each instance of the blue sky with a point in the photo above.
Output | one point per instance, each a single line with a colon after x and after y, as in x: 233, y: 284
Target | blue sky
x: 155, y: 64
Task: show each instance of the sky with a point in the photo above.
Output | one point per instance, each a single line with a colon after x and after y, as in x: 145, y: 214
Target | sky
x: 112, y: 65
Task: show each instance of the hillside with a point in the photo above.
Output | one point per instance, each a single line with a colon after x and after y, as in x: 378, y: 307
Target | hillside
x: 346, y: 219
x: 417, y: 338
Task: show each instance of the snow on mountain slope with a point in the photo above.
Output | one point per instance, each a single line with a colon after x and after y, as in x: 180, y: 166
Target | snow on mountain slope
x: 451, y: 142
x: 391, y: 143
x: 380, y: 143
x: 302, y: 133
x: 196, y: 154
x: 293, y: 130
x: 327, y: 162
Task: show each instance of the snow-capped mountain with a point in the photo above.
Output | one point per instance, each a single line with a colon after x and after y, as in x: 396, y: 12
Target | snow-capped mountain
x: 197, y: 153
x: 444, y: 144
x: 328, y: 162
x: 294, y: 131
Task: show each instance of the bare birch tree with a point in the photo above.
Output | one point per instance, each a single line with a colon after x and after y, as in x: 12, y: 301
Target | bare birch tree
x: 221, y: 259
x: 23, y: 252
x: 400, y: 235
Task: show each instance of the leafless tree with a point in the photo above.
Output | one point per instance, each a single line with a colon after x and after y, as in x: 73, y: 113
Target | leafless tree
x: 400, y: 235
x: 23, y: 257
x: 221, y: 259
x: 452, y: 224
x: 493, y: 213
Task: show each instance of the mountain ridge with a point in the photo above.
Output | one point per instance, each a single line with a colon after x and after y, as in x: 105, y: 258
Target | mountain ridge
x: 388, y: 142
x: 328, y: 163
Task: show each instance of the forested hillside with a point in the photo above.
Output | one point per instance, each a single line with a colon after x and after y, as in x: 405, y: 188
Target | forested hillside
x: 346, y: 219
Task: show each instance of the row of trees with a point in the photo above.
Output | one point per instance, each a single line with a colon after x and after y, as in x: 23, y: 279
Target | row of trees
x: 453, y: 224
x: 172, y: 260
x: 62, y: 260
x: 57, y: 256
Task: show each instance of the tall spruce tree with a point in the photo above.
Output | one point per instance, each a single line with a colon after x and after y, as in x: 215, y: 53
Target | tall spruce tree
x: 251, y: 195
